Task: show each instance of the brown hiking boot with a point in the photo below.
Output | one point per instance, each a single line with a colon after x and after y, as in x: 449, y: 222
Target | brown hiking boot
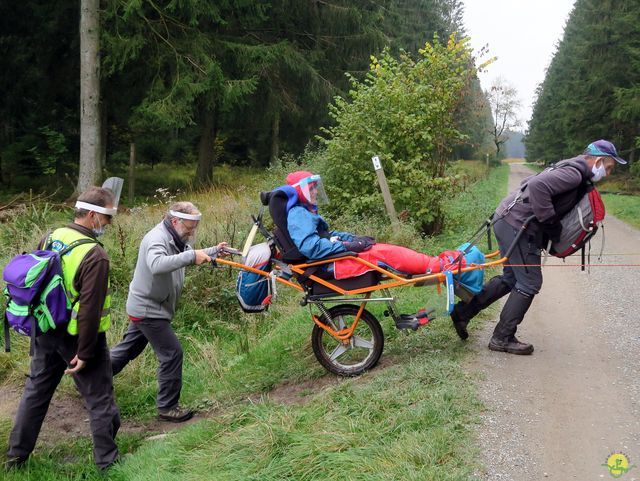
x: 513, y: 346
x: 175, y: 415
x: 459, y: 324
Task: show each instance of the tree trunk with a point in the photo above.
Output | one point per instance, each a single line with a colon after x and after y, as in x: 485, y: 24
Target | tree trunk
x: 90, y: 120
x: 275, y: 138
x: 132, y: 179
x: 206, y: 148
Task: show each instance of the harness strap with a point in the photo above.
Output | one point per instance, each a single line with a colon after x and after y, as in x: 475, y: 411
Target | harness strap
x: 450, y: 290
x: 304, y: 277
x: 7, y: 347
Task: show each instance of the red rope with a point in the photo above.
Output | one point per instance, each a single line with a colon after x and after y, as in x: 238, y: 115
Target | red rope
x: 572, y: 265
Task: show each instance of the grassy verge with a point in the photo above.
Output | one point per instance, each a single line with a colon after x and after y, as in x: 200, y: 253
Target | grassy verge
x: 408, y: 419
x: 624, y: 207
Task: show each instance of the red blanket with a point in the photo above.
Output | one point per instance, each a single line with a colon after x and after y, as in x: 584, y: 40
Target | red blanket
x: 400, y: 258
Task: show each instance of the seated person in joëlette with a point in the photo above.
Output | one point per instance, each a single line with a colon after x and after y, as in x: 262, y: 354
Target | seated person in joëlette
x: 311, y: 235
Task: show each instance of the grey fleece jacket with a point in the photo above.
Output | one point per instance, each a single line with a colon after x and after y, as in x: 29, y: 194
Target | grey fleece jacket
x: 159, y: 276
x: 549, y: 195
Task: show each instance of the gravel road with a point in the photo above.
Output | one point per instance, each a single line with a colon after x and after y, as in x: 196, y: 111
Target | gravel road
x: 562, y: 412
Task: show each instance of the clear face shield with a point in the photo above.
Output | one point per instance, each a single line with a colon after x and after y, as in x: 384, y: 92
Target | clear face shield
x: 188, y: 226
x: 114, y: 184
x: 313, y: 190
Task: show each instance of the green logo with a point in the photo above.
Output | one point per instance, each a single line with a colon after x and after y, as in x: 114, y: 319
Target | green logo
x: 618, y: 464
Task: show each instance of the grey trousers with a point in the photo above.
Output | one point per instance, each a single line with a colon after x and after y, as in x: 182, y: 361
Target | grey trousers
x: 165, y: 344
x: 527, y: 251
x: 53, y: 352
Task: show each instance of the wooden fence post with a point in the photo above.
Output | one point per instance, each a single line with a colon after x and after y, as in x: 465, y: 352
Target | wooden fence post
x: 386, y: 195
x: 132, y: 180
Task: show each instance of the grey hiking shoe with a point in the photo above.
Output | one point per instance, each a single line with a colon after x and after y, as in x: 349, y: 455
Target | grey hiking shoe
x: 175, y: 415
x: 512, y: 347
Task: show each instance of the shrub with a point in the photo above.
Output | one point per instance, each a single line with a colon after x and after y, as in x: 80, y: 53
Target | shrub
x: 404, y: 112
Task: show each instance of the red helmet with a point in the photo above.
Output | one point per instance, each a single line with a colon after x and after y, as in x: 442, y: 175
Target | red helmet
x: 294, y: 179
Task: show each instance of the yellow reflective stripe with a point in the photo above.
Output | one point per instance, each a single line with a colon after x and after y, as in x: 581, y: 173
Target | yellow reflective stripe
x: 105, y: 312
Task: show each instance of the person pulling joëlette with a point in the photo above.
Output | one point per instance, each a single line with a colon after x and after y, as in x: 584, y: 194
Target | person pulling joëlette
x: 157, y: 283
x: 79, y: 348
x: 548, y: 196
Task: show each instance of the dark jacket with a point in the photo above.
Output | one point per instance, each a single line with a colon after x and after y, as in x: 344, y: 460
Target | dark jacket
x: 549, y: 195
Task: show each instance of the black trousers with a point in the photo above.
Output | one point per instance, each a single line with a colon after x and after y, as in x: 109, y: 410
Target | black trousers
x: 53, y: 352
x: 523, y: 270
x: 165, y: 344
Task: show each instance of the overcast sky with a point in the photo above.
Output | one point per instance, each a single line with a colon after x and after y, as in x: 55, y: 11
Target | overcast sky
x: 523, y: 34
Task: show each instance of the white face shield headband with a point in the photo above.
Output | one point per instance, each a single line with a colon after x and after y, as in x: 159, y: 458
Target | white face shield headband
x: 97, y: 208
x: 182, y: 215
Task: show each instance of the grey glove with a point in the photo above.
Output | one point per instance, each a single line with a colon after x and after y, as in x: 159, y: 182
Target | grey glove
x: 552, y: 231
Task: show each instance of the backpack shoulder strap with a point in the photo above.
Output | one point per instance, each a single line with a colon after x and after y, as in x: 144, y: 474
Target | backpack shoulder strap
x: 77, y: 243
x: 45, y: 242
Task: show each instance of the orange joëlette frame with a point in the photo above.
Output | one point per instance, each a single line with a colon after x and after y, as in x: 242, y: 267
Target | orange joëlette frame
x: 396, y: 280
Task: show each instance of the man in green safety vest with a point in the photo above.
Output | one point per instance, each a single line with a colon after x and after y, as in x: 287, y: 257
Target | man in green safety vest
x: 80, y: 348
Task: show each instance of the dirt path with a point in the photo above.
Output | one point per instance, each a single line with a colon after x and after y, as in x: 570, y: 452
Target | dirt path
x: 560, y: 413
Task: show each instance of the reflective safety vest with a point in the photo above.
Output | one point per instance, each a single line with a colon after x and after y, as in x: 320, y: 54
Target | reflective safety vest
x: 58, y: 240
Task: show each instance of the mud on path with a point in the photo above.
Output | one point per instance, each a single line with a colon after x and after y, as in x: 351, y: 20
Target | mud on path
x: 561, y: 412
x: 67, y: 417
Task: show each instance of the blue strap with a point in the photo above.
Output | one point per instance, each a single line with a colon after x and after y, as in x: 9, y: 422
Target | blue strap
x: 450, y: 297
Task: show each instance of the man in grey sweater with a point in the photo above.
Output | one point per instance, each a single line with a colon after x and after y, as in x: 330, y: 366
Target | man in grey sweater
x: 157, y: 283
x: 548, y: 196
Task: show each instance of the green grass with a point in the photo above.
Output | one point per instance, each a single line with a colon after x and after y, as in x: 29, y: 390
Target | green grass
x: 408, y: 420
x: 624, y: 207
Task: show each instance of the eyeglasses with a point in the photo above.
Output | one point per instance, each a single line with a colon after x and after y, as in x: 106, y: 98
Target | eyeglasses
x: 189, y: 227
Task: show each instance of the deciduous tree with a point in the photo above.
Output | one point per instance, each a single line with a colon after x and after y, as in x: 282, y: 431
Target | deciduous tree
x: 504, y: 103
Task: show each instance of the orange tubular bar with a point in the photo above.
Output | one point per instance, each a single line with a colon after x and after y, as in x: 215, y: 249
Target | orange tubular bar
x: 258, y: 271
x: 397, y: 280
x: 345, y: 334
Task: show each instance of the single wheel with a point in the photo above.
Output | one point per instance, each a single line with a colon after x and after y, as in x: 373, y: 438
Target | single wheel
x: 360, y: 353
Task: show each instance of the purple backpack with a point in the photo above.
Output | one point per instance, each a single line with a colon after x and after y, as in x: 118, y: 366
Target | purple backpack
x: 36, y: 297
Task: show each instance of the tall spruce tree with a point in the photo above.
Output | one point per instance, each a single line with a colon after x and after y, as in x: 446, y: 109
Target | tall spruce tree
x: 590, y: 88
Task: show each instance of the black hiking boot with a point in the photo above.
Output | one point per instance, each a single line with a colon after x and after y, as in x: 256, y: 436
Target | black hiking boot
x: 512, y: 346
x: 504, y: 335
x: 14, y: 463
x: 459, y: 323
x: 463, y: 312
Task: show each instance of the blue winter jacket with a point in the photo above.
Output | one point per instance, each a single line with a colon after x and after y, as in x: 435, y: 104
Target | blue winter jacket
x: 303, y: 228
